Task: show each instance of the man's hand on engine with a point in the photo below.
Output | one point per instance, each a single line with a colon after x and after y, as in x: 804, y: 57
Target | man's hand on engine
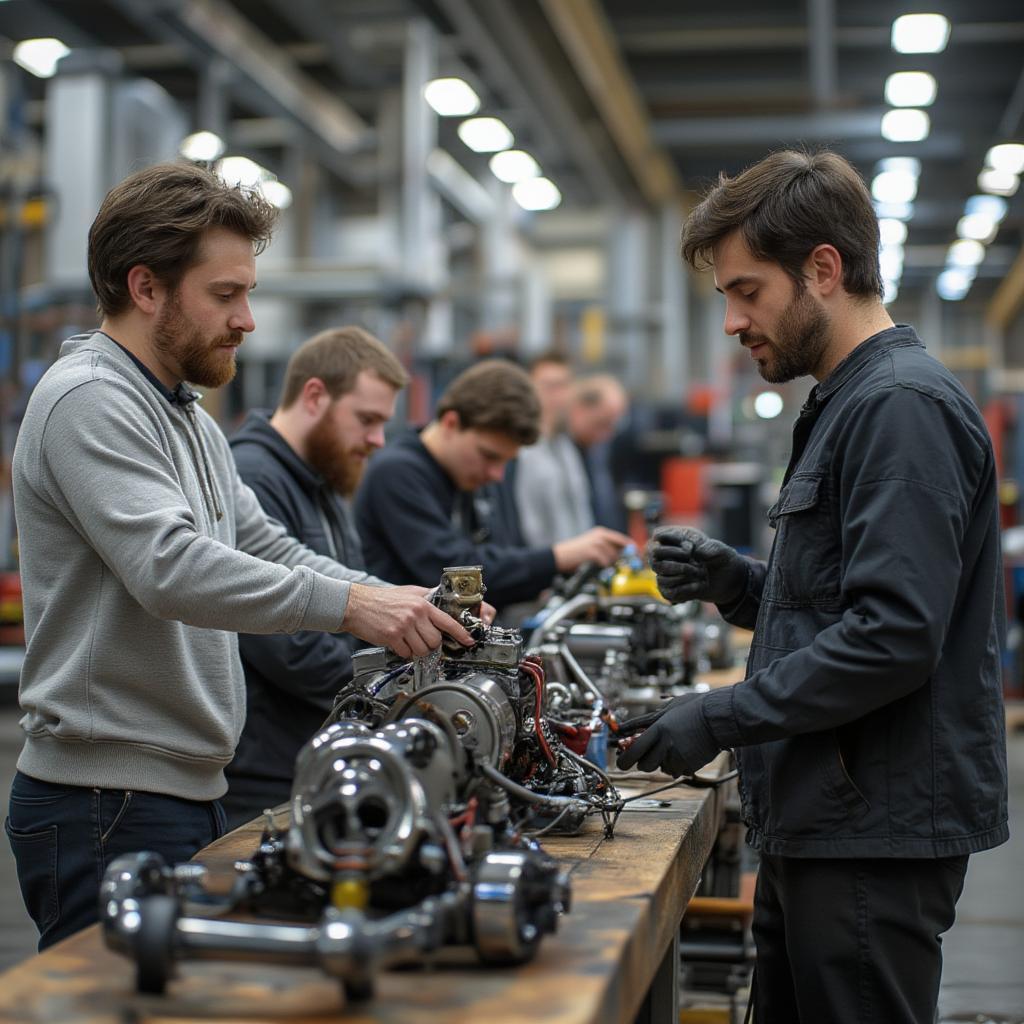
x: 679, y: 741
x: 691, y: 566
x: 400, y: 618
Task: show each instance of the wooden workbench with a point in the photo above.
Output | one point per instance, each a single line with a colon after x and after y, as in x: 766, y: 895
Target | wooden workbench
x: 629, y: 894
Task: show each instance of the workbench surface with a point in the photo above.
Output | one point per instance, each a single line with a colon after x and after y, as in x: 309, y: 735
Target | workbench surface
x: 629, y: 894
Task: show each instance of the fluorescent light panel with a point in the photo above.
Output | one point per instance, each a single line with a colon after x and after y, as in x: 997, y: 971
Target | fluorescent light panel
x: 202, y: 147
x: 894, y: 187
x: 451, y: 97
x: 514, y: 165
x: 910, y: 89
x: 905, y: 125
x: 1008, y: 156
x: 920, y: 33
x: 536, y: 194
x: 485, y: 134
x: 40, y: 56
x: 999, y: 183
x: 892, y: 231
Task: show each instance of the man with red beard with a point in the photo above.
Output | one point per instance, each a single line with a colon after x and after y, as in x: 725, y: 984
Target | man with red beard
x: 143, y: 554
x: 304, y: 463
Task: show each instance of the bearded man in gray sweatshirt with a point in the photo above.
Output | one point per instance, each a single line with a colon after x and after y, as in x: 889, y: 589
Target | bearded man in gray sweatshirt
x: 143, y: 554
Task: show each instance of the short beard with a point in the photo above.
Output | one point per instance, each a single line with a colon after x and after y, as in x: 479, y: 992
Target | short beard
x: 331, y: 459
x: 800, y: 342
x: 176, y: 336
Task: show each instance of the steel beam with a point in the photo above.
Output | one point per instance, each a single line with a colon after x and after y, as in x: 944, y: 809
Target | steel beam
x: 582, y: 29
x: 267, y: 76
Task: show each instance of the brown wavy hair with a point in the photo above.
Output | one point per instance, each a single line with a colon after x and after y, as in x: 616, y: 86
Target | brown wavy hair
x: 785, y: 205
x: 158, y: 217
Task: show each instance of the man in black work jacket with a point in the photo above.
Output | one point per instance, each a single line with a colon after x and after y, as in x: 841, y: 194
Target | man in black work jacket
x: 869, y: 730
x: 304, y: 462
x: 431, y: 499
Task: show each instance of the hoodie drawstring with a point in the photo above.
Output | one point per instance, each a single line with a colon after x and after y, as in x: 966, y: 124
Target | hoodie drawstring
x: 206, y: 479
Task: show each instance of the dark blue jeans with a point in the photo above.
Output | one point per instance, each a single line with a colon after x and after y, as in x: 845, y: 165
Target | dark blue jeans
x: 63, y: 838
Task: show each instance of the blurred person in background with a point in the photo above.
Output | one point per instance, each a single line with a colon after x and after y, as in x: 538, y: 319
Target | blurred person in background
x: 596, y: 408
x: 429, y: 499
x: 549, y: 479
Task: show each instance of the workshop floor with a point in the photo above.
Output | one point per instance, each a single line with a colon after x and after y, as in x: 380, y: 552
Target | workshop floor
x: 982, y: 982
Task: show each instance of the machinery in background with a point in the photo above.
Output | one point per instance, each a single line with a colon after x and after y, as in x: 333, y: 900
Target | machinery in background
x: 392, y: 853
x: 620, y: 647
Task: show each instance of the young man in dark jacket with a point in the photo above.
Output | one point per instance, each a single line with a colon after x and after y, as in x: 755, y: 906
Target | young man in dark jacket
x: 431, y: 499
x: 304, y: 462
x: 869, y: 730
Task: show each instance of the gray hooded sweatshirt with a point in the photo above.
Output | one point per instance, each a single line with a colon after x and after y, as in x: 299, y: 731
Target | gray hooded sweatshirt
x: 142, y: 555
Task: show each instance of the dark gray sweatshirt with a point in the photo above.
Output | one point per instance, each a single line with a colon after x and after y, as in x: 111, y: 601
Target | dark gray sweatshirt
x: 142, y: 556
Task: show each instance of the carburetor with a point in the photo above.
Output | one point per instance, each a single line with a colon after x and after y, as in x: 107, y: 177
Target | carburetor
x: 386, y: 859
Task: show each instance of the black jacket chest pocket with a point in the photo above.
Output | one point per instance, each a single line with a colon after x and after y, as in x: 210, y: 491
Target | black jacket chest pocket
x: 804, y: 568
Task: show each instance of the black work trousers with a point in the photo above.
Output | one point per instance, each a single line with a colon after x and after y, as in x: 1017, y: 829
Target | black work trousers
x: 852, y: 941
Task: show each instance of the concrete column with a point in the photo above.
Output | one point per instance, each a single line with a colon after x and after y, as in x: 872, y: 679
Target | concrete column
x: 78, y: 151
x: 629, y: 289
x: 502, y: 261
x: 672, y: 361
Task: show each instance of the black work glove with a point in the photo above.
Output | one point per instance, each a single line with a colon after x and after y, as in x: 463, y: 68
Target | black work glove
x: 691, y: 566
x: 679, y: 741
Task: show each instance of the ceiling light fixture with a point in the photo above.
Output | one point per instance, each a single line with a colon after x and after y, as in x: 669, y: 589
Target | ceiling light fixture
x: 895, y: 211
x: 485, y: 134
x: 40, y: 56
x: 992, y: 206
x: 277, y: 193
x: 202, y: 147
x: 890, y: 262
x: 514, y: 165
x: 894, y: 187
x: 1009, y: 156
x: 910, y: 89
x: 977, y: 226
x: 240, y: 170
x: 954, y: 283
x: 965, y: 252
x: 451, y: 97
x: 536, y: 194
x: 904, y: 164
x: 999, y: 183
x: 920, y: 33
x: 892, y: 231
x: 905, y: 125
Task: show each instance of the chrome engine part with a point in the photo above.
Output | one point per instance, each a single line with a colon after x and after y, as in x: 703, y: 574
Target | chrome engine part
x: 527, y: 762
x: 623, y: 654
x: 386, y: 859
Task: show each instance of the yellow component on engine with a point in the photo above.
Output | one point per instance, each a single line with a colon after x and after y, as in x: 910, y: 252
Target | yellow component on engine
x: 630, y: 582
x: 350, y: 893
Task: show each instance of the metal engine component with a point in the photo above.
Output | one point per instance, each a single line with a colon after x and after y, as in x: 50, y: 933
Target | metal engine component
x: 386, y: 859
x: 621, y: 649
x: 496, y: 702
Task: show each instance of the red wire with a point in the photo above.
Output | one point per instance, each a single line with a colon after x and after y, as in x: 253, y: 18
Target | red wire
x: 537, y: 674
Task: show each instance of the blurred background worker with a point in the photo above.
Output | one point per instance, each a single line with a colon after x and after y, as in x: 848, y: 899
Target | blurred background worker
x: 596, y: 408
x: 304, y: 463
x: 550, y: 481
x: 429, y: 500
